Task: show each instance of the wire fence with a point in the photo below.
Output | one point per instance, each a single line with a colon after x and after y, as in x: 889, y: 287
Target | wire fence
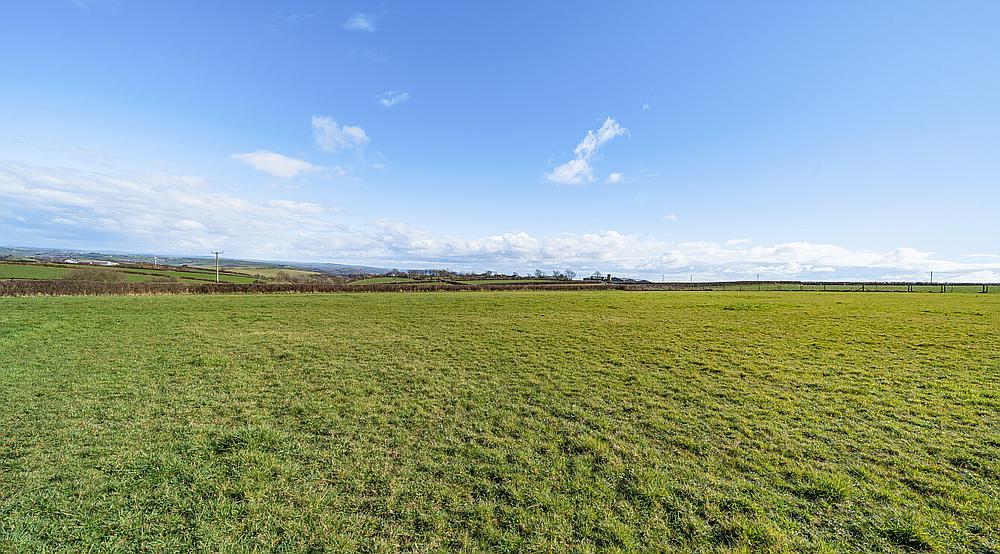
x: 844, y: 286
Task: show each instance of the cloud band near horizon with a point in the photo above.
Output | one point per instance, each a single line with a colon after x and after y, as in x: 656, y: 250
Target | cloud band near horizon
x: 184, y: 215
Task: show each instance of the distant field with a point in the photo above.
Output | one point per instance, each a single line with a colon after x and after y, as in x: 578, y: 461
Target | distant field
x: 201, y: 276
x: 513, y: 281
x: 518, y: 421
x: 380, y: 280
x: 271, y: 272
x: 870, y: 287
x: 28, y: 271
x: 62, y: 271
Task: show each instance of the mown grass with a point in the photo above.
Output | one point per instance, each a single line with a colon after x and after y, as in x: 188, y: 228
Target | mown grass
x: 501, y: 421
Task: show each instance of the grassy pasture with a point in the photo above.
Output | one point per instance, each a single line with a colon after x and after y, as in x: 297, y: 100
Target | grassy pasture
x: 853, y: 287
x: 382, y: 280
x: 195, y: 275
x: 63, y: 271
x: 501, y: 421
x: 513, y: 281
x: 31, y: 271
x: 270, y: 272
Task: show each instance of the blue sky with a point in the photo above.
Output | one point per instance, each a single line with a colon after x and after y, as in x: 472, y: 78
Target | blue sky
x: 725, y: 139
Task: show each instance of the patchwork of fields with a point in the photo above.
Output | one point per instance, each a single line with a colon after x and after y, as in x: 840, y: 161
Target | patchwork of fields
x: 131, y: 275
x: 501, y: 421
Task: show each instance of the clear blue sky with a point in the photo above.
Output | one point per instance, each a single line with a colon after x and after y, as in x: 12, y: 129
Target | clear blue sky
x: 793, y: 139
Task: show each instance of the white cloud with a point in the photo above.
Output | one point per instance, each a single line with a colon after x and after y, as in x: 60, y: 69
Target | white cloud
x: 573, y: 172
x: 189, y: 225
x: 670, y: 217
x: 578, y: 170
x: 982, y: 276
x: 361, y: 22
x: 296, y: 207
x: 391, y: 98
x: 646, y: 108
x: 149, y: 212
x: 331, y: 137
x: 615, y: 178
x: 275, y: 164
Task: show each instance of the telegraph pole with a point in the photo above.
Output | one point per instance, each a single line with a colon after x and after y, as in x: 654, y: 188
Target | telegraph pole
x: 217, y: 252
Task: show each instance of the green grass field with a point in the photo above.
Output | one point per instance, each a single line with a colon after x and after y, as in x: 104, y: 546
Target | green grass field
x: 63, y: 271
x: 382, y: 280
x: 270, y: 272
x: 31, y: 271
x: 195, y: 275
x: 513, y: 281
x: 501, y: 421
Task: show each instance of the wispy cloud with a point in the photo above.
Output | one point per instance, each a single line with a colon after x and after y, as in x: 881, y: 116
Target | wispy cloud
x: 275, y: 164
x: 615, y: 177
x: 362, y: 22
x: 331, y: 137
x: 391, y: 98
x: 670, y: 217
x: 578, y: 170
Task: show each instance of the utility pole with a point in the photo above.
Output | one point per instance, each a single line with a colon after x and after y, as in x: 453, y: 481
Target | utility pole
x: 217, y: 252
x: 932, y: 277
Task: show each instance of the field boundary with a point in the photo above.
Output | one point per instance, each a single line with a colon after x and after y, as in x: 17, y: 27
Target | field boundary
x: 52, y: 287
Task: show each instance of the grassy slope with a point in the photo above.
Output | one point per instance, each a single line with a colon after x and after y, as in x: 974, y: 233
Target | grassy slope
x: 31, y: 271
x: 199, y: 276
x: 501, y: 421
x: 270, y: 272
x: 382, y: 280
x: 18, y: 271
x: 512, y: 281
